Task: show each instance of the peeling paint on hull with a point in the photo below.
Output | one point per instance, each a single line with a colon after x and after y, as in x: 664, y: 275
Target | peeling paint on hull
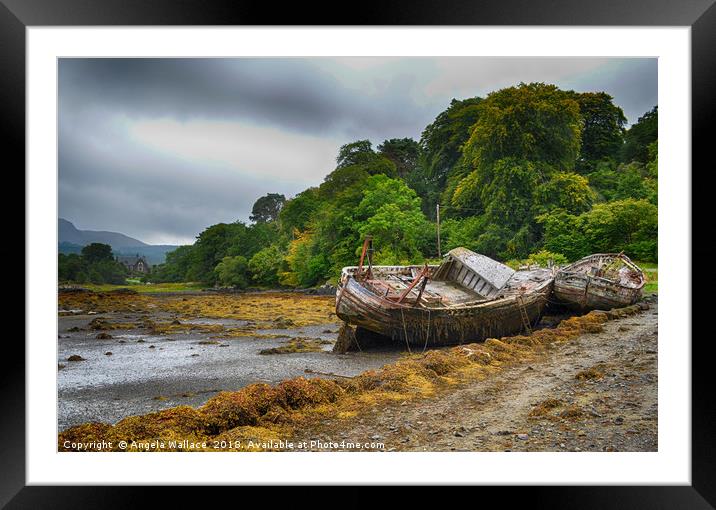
x: 576, y: 286
x: 432, y: 326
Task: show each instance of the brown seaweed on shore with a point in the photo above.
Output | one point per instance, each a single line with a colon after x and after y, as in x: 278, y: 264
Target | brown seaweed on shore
x: 262, y: 411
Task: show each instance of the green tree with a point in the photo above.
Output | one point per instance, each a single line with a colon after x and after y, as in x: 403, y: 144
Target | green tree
x: 298, y: 212
x: 267, y: 208
x: 624, y: 225
x: 563, y: 233
x: 391, y: 213
x: 265, y: 265
x: 107, y: 271
x: 640, y: 136
x: 456, y: 232
x: 305, y: 267
x: 441, y: 152
x: 602, y: 129
x: 508, y: 194
x: 232, y: 272
x: 355, y: 153
x: 442, y: 140
x: 403, y: 152
x: 71, y: 267
x: 564, y: 190
x: 175, y: 266
x: 97, y: 252
x: 652, y: 173
x: 531, y: 122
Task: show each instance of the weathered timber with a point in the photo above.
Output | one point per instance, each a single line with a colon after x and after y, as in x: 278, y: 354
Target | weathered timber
x: 599, y: 282
x: 469, y: 297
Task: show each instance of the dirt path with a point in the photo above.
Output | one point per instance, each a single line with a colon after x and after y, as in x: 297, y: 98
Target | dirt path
x: 597, y: 393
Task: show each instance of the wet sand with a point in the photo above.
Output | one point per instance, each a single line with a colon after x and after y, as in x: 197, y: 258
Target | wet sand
x: 148, y: 372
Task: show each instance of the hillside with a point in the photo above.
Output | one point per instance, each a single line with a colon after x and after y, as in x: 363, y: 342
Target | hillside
x: 71, y: 240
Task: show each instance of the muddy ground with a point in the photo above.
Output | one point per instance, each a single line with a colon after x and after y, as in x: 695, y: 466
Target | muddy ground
x: 129, y: 368
x: 596, y: 393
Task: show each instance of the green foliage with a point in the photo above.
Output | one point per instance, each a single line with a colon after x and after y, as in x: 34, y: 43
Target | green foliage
x: 265, y: 265
x: 196, y: 263
x: 530, y: 173
x: 267, y: 208
x: 564, y: 190
x: 232, y: 272
x: 626, y: 225
x: 442, y: 141
x: 531, y: 122
x: 602, y: 129
x: 298, y: 212
x: 96, y: 264
x: 97, y: 252
x: 356, y: 153
x: 71, y: 268
x: 640, y: 136
x: 390, y: 211
x: 563, y: 234
x: 542, y: 258
x: 546, y: 258
x: 462, y: 232
x: 403, y: 152
x: 627, y: 180
x: 304, y: 268
x: 507, y: 193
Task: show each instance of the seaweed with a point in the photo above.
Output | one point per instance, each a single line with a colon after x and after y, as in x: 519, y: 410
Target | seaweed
x: 295, y: 345
x: 265, y: 412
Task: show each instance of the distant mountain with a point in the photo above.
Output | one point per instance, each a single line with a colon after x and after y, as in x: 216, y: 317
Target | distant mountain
x: 68, y: 233
x: 71, y: 240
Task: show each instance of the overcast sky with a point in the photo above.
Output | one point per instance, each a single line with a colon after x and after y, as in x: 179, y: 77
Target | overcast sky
x: 159, y: 149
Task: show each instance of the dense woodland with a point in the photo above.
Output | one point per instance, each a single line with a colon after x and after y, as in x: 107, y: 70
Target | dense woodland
x: 94, y: 264
x: 529, y: 172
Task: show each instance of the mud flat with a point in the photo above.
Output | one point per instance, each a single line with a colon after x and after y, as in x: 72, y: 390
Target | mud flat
x: 142, y: 354
x: 589, y: 383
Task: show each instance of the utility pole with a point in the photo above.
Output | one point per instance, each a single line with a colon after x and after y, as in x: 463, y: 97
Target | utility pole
x: 437, y: 209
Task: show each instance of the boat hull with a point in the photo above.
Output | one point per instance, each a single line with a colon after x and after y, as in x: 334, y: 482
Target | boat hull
x: 583, y: 292
x: 433, y: 327
x: 584, y: 285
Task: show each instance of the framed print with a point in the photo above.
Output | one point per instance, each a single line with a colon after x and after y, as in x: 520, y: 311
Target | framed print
x: 272, y: 248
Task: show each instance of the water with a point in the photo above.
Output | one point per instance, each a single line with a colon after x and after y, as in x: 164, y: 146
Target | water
x: 137, y: 379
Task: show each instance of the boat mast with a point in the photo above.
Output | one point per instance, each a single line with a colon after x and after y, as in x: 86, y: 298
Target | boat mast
x: 437, y: 210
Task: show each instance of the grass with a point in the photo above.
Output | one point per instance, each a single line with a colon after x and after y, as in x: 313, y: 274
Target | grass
x: 651, y: 271
x: 262, y: 412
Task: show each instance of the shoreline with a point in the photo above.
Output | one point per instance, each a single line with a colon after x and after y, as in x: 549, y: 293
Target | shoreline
x: 325, y: 419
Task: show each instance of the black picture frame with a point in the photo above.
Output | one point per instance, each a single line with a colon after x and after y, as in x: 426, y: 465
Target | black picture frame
x: 700, y: 15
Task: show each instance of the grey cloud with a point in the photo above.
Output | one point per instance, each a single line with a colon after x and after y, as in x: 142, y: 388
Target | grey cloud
x: 109, y: 181
x: 293, y: 93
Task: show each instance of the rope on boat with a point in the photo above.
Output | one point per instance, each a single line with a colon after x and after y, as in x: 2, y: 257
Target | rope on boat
x: 405, y: 331
x: 427, y: 337
x: 355, y: 339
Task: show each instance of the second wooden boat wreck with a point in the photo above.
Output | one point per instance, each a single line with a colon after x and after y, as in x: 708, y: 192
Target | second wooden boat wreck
x: 469, y: 297
x: 599, y: 282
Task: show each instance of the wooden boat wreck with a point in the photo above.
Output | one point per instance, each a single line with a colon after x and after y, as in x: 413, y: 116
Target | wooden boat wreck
x: 599, y: 282
x: 468, y: 297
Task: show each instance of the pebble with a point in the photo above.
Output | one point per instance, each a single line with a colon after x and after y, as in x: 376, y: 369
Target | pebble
x: 523, y: 437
